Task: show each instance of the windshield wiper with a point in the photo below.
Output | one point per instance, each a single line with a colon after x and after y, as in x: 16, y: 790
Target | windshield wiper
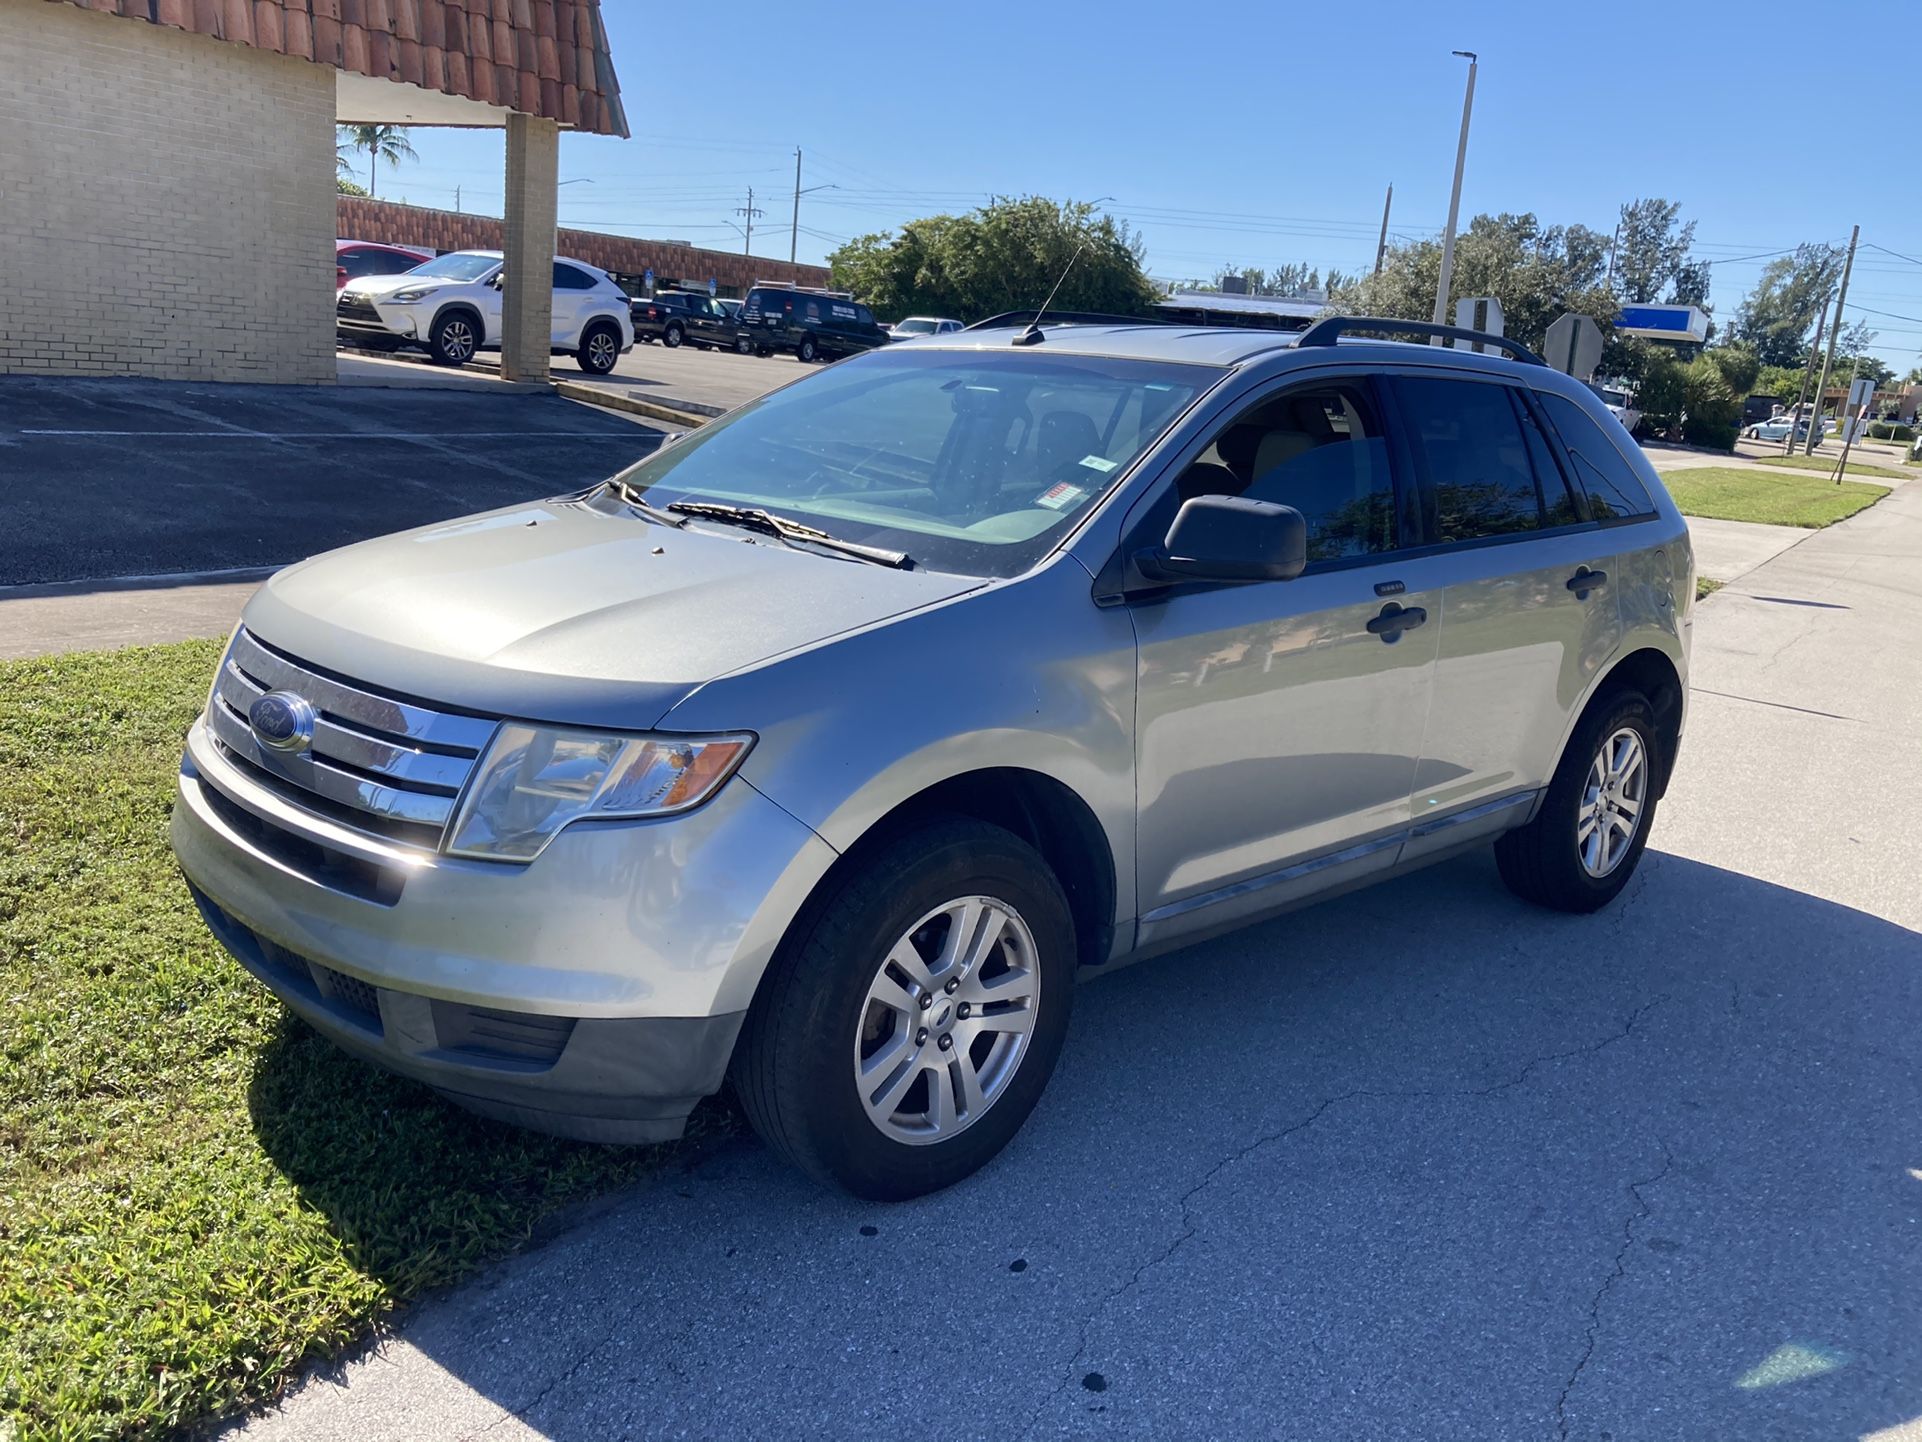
x: 629, y: 495
x: 790, y: 531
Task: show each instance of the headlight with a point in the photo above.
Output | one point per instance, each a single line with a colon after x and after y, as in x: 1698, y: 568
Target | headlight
x: 408, y: 297
x: 533, y: 780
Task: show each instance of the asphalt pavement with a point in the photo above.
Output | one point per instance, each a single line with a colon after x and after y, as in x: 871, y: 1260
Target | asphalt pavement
x: 118, y: 478
x: 1420, y: 1162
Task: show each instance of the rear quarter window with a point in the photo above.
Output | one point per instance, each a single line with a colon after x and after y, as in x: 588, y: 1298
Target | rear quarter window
x: 1614, y: 490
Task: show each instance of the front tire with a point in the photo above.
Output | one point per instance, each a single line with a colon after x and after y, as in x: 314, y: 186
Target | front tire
x: 453, y: 340
x: 1583, y: 845
x: 600, y: 348
x: 910, y: 1022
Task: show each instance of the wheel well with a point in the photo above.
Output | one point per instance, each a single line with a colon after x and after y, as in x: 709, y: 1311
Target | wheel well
x: 1042, y: 812
x: 1654, y: 675
x: 460, y: 308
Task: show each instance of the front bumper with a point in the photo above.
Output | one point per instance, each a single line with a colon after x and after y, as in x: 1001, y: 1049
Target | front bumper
x: 595, y: 993
x: 358, y: 318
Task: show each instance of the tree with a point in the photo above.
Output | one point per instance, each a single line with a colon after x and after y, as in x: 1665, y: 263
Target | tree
x: 1652, y: 256
x: 1914, y: 377
x: 1005, y: 256
x: 1778, y: 316
x: 380, y: 142
x: 1537, y: 272
x: 347, y: 187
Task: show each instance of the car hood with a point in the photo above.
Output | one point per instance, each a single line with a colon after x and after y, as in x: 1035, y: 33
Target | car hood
x: 570, y: 611
x: 379, y: 285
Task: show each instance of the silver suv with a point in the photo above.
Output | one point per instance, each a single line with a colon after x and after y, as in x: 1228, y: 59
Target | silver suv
x: 827, y: 747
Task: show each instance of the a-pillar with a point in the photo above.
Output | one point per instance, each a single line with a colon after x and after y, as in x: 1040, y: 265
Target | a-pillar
x: 527, y: 295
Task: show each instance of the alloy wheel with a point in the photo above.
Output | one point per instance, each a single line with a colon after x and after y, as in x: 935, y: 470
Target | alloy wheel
x: 947, y: 1020
x: 457, y: 341
x: 602, y: 351
x: 1612, y: 802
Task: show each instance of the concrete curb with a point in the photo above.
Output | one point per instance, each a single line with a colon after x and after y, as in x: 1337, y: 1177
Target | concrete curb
x: 615, y: 401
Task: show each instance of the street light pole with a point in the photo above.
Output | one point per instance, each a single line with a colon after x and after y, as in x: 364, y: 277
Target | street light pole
x: 1455, y: 197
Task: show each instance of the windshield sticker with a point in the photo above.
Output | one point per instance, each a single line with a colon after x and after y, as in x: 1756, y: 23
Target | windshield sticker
x: 1060, y: 496
x: 1099, y: 463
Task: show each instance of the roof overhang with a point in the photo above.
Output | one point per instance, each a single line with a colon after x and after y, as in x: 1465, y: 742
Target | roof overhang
x: 367, y: 100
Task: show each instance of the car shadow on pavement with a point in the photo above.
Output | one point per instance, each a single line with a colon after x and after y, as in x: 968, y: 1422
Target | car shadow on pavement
x: 1417, y: 1162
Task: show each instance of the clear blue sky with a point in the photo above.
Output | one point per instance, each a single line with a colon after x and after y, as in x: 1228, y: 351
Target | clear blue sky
x: 1254, y: 134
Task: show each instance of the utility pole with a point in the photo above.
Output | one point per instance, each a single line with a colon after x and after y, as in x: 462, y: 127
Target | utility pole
x: 1808, y: 374
x: 1835, y: 330
x: 1381, y: 246
x: 1614, y: 243
x: 748, y: 210
x: 1848, y: 426
x: 794, y: 232
x: 1454, y: 199
x: 457, y: 199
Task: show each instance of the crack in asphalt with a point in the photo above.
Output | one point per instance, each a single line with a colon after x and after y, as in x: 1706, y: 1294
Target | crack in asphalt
x: 1190, y: 1226
x: 1615, y: 1274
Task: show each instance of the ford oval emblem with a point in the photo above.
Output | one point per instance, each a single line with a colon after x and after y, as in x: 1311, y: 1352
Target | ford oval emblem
x: 282, y: 721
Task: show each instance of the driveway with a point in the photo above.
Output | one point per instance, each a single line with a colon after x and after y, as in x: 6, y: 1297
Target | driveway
x: 118, y: 478
x: 1417, y: 1163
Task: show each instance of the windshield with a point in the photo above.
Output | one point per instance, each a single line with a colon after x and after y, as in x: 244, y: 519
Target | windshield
x: 457, y: 266
x: 915, y: 326
x: 969, y: 462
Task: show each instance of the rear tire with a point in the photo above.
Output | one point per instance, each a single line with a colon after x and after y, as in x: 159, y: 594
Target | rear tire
x: 896, y: 928
x: 1554, y: 860
x: 807, y: 351
x: 763, y: 351
x: 600, y: 348
x: 742, y: 345
x: 453, y: 339
x: 673, y: 336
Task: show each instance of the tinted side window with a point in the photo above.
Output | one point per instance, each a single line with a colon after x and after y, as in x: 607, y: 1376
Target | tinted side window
x: 1613, y: 488
x: 567, y: 277
x: 360, y: 262
x: 1320, y: 450
x: 1470, y: 435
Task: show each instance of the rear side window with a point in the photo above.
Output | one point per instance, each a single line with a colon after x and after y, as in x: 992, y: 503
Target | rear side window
x: 1478, y: 458
x: 1614, y: 490
x: 567, y: 277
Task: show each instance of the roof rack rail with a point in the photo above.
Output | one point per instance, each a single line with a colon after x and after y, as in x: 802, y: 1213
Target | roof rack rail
x: 1063, y: 317
x: 810, y: 289
x: 1328, y: 331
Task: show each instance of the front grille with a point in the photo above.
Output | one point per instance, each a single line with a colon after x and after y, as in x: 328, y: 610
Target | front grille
x: 356, y: 308
x: 376, y: 763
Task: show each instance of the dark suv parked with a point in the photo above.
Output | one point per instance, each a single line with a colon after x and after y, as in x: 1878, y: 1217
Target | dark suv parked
x: 811, y: 323
x: 676, y: 316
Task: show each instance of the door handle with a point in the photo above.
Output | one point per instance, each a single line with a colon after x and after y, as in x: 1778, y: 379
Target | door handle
x: 1585, y: 580
x: 1395, y: 619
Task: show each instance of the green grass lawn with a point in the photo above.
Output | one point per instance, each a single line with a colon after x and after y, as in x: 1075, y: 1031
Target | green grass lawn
x: 1826, y: 464
x: 1728, y: 494
x: 1705, y: 587
x: 196, y: 1192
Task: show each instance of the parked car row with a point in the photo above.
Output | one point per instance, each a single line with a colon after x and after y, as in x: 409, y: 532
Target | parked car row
x: 801, y: 321
x: 450, y: 307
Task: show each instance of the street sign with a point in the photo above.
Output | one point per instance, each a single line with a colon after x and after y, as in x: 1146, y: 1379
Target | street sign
x: 1478, y: 312
x: 1861, y: 393
x: 712, y: 288
x: 647, y: 280
x: 1573, y: 346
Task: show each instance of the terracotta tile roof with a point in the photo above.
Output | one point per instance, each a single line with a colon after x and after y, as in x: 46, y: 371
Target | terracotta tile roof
x: 541, y: 57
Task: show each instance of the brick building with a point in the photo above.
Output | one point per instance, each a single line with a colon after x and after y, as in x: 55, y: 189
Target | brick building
x: 167, y: 197
x: 626, y: 257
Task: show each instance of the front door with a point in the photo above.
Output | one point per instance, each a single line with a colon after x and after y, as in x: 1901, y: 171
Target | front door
x: 1279, y: 724
x: 1522, y: 636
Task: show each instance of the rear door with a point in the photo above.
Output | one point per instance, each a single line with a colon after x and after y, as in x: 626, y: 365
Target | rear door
x: 1529, y: 612
x: 573, y: 295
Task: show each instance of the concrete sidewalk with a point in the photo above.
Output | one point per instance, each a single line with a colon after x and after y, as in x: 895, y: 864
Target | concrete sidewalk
x: 1420, y: 1162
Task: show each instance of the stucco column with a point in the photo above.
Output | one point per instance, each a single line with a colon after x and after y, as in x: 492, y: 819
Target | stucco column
x: 527, y: 299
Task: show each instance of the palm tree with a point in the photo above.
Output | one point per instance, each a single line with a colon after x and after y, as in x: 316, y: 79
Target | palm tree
x: 381, y: 142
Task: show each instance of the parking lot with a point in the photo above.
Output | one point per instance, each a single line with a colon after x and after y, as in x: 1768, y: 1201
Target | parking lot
x: 140, y: 478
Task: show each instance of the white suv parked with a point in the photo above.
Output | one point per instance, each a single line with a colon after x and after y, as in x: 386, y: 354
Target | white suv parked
x: 450, y: 307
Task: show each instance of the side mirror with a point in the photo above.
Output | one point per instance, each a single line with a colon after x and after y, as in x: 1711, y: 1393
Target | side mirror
x: 1229, y: 538
x: 500, y: 279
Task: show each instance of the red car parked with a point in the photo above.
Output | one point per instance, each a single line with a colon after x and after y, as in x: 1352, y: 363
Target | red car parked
x: 355, y: 258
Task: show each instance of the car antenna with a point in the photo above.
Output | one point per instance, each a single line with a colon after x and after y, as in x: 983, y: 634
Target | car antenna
x: 1032, y: 335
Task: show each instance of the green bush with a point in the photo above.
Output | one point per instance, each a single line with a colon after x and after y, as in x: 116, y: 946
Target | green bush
x: 1890, y: 431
